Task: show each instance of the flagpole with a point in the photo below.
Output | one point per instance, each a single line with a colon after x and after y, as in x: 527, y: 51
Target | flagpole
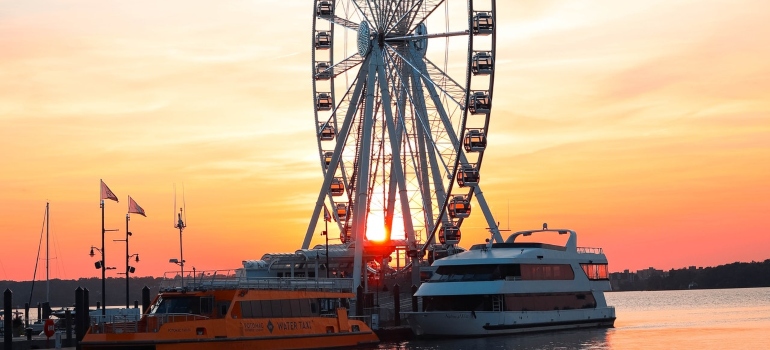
x: 104, y: 260
x: 326, y: 231
x: 127, y: 257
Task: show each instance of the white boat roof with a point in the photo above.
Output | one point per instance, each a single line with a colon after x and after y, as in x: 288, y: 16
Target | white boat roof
x: 490, y: 253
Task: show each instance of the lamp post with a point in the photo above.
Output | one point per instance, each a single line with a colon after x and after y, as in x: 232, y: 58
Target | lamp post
x: 100, y: 265
x: 129, y: 269
x: 180, y: 263
x: 326, y: 234
x: 104, y: 289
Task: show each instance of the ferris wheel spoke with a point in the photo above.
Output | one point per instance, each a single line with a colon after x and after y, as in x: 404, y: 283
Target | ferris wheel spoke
x: 341, y: 22
x: 446, y: 84
x: 443, y: 82
x: 340, y: 67
x: 415, y: 37
x: 424, y: 180
x: 421, y: 15
x: 433, y: 150
x: 369, y: 11
x: 426, y: 142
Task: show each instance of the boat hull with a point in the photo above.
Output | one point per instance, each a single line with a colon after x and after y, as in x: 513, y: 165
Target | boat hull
x: 279, y: 342
x: 482, y: 323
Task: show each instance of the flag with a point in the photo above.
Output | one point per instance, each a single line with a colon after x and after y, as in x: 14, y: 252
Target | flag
x: 135, y: 208
x: 107, y: 193
x: 327, y: 216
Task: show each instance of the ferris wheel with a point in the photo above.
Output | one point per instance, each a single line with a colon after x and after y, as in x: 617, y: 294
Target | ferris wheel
x: 402, y: 93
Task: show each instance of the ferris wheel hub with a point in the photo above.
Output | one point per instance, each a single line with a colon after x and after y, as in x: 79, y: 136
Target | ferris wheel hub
x: 364, y: 39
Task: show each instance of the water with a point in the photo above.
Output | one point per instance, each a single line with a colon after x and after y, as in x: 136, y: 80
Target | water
x: 690, y: 319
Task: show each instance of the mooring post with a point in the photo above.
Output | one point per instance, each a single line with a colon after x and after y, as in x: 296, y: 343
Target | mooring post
x: 26, y: 315
x: 8, y: 317
x: 414, y: 298
x: 145, y: 299
x: 68, y: 325
x: 360, y: 300
x: 86, y: 313
x: 80, y: 314
x: 397, y: 303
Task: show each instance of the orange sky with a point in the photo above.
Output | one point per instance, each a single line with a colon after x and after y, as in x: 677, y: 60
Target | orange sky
x: 642, y: 125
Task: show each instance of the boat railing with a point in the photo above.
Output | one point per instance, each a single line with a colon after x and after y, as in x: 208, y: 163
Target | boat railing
x: 138, y: 323
x: 230, y: 279
x: 588, y: 250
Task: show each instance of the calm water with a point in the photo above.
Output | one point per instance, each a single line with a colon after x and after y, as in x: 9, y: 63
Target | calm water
x: 693, y: 319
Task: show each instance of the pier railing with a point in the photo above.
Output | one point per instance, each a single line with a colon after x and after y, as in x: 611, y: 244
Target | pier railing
x: 138, y: 323
x: 231, y: 279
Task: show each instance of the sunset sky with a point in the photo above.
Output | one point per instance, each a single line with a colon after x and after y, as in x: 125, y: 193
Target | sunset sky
x: 644, y: 126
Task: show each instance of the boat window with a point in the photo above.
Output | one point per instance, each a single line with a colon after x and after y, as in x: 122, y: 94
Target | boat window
x: 207, y: 305
x: 246, y: 311
x: 596, y: 271
x: 178, y: 305
x: 547, y: 272
x: 223, y: 306
x: 328, y: 305
x: 549, y: 301
x: 482, y: 272
x: 458, y: 303
x: 276, y: 306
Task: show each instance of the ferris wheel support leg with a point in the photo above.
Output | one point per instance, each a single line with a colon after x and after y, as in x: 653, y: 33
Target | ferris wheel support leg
x: 399, y: 171
x: 336, y: 157
x: 420, y: 163
x: 396, y: 151
x: 487, y: 214
x: 360, y: 211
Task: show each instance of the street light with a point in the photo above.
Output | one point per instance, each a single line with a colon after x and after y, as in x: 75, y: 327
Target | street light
x: 180, y: 263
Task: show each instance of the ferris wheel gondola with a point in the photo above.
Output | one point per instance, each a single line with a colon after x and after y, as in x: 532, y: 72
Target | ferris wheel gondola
x: 403, y: 95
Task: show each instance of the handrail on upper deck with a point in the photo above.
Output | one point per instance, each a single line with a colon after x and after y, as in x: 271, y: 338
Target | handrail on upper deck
x: 228, y: 279
x: 589, y: 250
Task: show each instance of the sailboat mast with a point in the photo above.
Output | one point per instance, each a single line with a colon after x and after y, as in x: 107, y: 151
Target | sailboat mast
x: 47, y: 281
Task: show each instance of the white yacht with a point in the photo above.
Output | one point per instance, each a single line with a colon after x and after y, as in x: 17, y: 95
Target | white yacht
x: 512, y: 287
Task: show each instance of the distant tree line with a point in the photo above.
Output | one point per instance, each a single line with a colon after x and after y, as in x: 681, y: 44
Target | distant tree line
x: 735, y: 275
x: 62, y: 292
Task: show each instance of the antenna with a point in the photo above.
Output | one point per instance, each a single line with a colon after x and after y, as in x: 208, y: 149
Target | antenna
x: 173, y: 210
x: 184, y: 206
x: 180, y: 219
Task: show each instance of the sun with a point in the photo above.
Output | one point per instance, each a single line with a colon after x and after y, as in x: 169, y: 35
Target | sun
x: 375, y: 227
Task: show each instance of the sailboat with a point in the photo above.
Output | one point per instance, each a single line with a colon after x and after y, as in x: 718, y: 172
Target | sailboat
x: 37, y: 326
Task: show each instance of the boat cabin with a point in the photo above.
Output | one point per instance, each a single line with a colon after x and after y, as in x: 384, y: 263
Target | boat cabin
x: 482, y: 63
x: 323, y: 101
x: 459, y: 207
x: 483, y: 24
x: 480, y: 103
x: 475, y: 140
